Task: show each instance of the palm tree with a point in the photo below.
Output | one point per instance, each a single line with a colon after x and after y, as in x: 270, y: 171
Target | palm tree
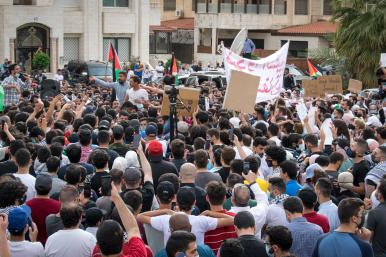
x: 361, y: 36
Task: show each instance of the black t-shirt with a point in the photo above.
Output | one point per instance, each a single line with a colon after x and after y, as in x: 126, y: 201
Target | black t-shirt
x: 96, y: 181
x: 147, y: 191
x: 201, y: 203
x: 112, y: 155
x: 7, y: 167
x: 160, y: 168
x: 359, y: 171
x: 376, y: 222
x: 224, y: 173
x: 253, y: 247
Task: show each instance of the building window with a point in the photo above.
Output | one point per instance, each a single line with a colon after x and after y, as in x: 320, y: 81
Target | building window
x: 116, y: 3
x: 297, y: 49
x: 301, y: 7
x: 169, y: 5
x: 160, y: 42
x: 23, y: 2
x: 121, y: 45
x: 70, y: 48
x: 327, y: 7
x: 280, y: 7
x: 259, y: 43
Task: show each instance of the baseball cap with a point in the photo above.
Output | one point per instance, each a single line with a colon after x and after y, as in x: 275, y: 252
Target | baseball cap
x: 134, y: 123
x: 310, y: 170
x: 18, y: 218
x: 151, y: 130
x: 155, y: 150
x: 132, y: 174
x: 43, y: 182
x: 104, y: 125
x: 165, y: 191
x: 345, y: 178
x: 93, y: 216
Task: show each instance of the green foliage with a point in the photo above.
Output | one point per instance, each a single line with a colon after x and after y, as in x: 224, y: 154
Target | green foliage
x: 168, y: 63
x: 254, y: 57
x: 40, y: 61
x: 361, y: 36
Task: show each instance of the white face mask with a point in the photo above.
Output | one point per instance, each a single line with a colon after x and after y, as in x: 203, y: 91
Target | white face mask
x: 302, y: 147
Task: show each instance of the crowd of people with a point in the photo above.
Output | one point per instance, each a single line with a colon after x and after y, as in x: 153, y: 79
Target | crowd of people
x: 82, y: 174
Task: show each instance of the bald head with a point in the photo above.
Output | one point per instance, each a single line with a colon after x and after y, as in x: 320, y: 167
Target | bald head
x: 188, y: 172
x: 180, y: 222
x: 241, y: 195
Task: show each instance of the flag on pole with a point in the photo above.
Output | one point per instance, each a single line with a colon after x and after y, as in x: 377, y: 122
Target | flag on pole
x: 314, y: 72
x: 113, y: 57
x: 174, y: 70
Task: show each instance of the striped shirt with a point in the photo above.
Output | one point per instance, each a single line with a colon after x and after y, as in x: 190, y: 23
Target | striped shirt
x: 214, y: 238
x: 11, y: 95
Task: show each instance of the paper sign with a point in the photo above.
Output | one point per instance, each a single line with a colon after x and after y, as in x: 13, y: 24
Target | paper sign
x: 312, y: 88
x: 241, y: 92
x: 187, y: 102
x: 326, y: 128
x: 383, y: 59
x: 270, y: 70
x: 331, y: 84
x: 354, y: 86
x: 302, y: 111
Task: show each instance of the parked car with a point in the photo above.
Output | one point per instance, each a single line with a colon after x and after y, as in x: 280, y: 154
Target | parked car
x: 80, y: 71
x: 297, y: 73
x: 197, y: 78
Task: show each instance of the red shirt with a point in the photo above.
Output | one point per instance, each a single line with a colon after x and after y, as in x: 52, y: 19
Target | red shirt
x: 318, y: 219
x: 40, y: 209
x: 134, y: 248
x: 215, y: 237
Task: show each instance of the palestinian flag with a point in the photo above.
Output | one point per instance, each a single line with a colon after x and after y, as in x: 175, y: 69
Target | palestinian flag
x: 113, y: 57
x: 314, y: 72
x: 174, y: 70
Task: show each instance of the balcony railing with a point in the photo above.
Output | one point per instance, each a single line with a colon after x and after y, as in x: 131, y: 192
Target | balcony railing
x: 239, y: 8
x: 264, y: 9
x: 226, y: 7
x: 201, y: 7
x: 251, y: 8
x: 212, y: 8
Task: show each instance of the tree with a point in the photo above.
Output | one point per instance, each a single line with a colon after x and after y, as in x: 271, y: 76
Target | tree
x: 40, y: 61
x: 361, y: 36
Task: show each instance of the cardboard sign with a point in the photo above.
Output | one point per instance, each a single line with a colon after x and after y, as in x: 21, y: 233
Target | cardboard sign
x: 187, y: 102
x: 241, y: 92
x: 354, y: 86
x: 312, y: 88
x: 332, y: 84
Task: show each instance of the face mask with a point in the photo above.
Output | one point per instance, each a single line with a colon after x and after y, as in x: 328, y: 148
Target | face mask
x: 17, y: 75
x: 301, y: 147
x: 373, y: 158
x: 269, y: 163
x: 269, y: 251
x: 332, y: 116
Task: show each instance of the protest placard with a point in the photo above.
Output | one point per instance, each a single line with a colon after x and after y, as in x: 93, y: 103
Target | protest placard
x: 354, y: 86
x: 311, y: 88
x: 241, y: 92
x: 270, y: 70
x: 331, y: 84
x: 187, y: 102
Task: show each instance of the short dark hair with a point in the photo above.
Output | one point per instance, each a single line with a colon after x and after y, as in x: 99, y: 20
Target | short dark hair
x: 100, y: 158
x: 133, y: 198
x: 290, y: 168
x: 110, y: 237
x: 228, y: 154
x: 348, y: 208
x: 260, y: 141
x: 90, y: 119
x: 50, y: 135
x: 73, y: 174
x: 254, y: 163
x: 22, y: 157
x: 231, y: 247
x: 277, y: 153
x: 279, y: 183
x: 10, y: 192
x: 201, y: 159
x: 325, y: 186
x: 16, y: 145
x: 273, y: 129
x: 172, y: 178
x: 74, y: 153
x: 70, y: 214
x: 179, y: 242
x: 56, y: 149
x: 53, y: 164
x: 322, y: 160
x: 381, y: 131
x: 336, y: 157
x: 43, y: 154
x: 308, y: 198
x: 177, y: 148
x: 118, y: 132
x: 382, y: 188
x: 213, y: 132
x: 216, y: 192
x: 186, y: 198
x: 116, y: 175
x: 293, y: 204
x: 84, y: 136
x: 280, y: 236
x: 103, y: 137
x: 244, y: 219
x: 311, y: 139
x: 136, y: 79
x: 237, y: 166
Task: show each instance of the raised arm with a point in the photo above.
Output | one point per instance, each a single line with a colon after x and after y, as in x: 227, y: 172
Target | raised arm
x: 102, y: 83
x: 148, y: 175
x: 127, y: 218
x: 145, y: 217
x: 6, y: 131
x: 4, y: 249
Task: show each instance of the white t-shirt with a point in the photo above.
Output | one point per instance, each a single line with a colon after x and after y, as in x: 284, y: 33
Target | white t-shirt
x: 26, y: 248
x: 200, y: 225
x: 29, y: 181
x: 73, y: 242
x: 137, y: 94
x: 246, y: 149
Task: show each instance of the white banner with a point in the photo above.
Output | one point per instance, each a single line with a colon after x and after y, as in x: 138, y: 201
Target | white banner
x: 270, y: 70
